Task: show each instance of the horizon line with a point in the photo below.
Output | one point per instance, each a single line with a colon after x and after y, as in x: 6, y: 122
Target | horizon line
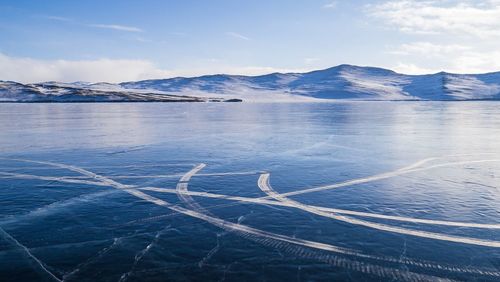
x: 257, y: 75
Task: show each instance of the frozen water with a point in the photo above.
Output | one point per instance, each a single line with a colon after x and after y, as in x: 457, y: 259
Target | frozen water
x: 404, y: 191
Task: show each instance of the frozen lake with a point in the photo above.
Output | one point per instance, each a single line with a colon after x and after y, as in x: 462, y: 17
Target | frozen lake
x: 384, y: 191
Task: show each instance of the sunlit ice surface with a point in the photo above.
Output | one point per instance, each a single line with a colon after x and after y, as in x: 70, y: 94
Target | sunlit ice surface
x: 351, y: 191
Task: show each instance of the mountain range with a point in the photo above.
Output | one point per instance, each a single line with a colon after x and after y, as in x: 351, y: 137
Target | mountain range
x: 343, y: 82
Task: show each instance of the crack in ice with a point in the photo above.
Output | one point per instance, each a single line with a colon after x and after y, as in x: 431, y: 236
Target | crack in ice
x: 264, y: 185
x: 280, y: 199
x: 38, y: 263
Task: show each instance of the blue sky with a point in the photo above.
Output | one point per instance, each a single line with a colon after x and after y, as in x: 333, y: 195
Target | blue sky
x: 129, y: 40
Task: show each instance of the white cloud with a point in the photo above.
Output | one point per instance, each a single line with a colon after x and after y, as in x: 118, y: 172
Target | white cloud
x: 28, y: 70
x: 425, y: 57
x: 412, y: 69
x: 471, y: 18
x: 460, y: 36
x: 331, y: 5
x: 117, y: 27
x: 33, y: 70
x: 237, y: 35
x: 477, y: 62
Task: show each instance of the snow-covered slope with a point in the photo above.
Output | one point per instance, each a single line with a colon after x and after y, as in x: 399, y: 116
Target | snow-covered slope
x: 86, y: 92
x: 340, y: 82
x: 351, y: 82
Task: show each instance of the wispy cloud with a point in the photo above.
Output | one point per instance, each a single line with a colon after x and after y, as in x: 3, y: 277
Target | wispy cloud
x: 117, y: 27
x: 104, y: 26
x: 57, y: 18
x: 471, y: 18
x: 331, y: 5
x: 237, y: 35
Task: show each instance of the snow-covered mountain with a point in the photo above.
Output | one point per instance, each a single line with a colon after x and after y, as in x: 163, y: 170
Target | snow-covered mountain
x: 85, y: 92
x: 340, y: 82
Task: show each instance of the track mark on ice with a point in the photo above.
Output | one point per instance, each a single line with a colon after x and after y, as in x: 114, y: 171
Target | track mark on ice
x: 264, y: 185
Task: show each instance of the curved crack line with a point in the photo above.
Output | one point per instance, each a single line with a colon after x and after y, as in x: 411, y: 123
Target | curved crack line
x: 213, y: 251
x: 182, y: 190
x: 380, y: 177
x: 268, y: 238
x: 408, y: 169
x: 251, y: 231
x: 183, y: 194
x: 93, y: 259
x: 264, y: 185
x: 76, y: 179
x: 55, y: 206
x: 139, y: 255
x: 265, y: 201
x: 49, y: 178
x: 273, y: 202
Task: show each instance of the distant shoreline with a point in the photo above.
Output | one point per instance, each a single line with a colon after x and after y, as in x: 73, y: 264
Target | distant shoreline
x: 243, y: 102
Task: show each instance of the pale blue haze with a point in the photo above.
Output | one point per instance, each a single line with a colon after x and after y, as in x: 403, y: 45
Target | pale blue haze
x: 190, y: 37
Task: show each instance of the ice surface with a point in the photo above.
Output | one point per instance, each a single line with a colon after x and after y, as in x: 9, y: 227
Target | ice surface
x: 222, y: 191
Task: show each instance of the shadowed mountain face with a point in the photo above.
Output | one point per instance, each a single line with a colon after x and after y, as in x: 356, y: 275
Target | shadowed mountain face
x: 84, y: 92
x: 340, y: 82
